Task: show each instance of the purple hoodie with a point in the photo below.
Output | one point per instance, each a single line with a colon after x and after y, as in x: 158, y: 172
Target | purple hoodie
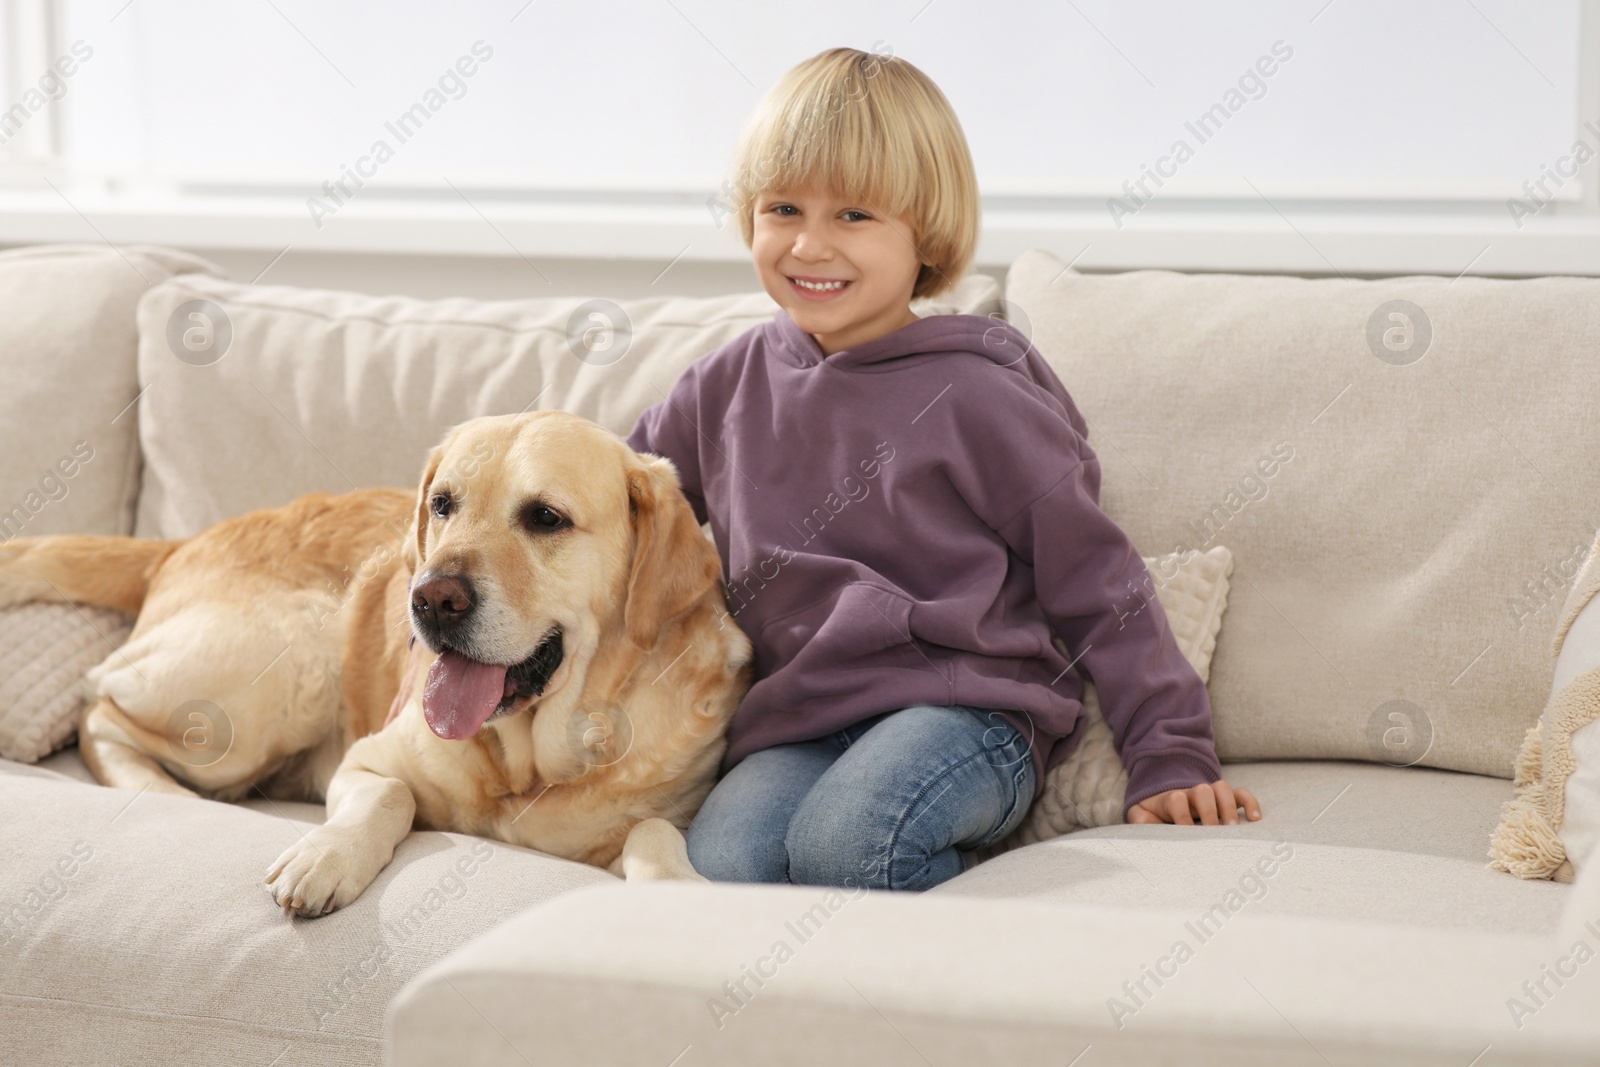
x: 905, y: 522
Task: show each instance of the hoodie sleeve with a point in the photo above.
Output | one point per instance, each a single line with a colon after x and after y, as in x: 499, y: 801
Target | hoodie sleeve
x: 1098, y: 596
x: 672, y: 428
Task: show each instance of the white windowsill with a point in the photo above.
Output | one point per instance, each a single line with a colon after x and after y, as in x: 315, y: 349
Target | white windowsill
x: 1478, y: 238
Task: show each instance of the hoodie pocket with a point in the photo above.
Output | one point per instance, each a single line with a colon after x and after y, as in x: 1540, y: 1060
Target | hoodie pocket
x: 860, y: 622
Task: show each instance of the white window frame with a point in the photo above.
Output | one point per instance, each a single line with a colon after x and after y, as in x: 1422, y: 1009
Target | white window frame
x: 1302, y: 235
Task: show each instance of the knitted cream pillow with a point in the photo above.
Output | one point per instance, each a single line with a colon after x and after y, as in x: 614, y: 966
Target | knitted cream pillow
x: 1087, y: 788
x: 44, y: 651
x: 1554, y: 819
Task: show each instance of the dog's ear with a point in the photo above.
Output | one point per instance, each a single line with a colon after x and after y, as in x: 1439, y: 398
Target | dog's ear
x: 673, y: 563
x: 415, y: 549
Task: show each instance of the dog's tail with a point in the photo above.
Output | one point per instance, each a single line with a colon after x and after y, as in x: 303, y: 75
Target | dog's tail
x: 111, y: 572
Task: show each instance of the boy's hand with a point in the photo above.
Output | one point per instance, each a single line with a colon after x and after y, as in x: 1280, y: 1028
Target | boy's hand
x: 1206, y: 801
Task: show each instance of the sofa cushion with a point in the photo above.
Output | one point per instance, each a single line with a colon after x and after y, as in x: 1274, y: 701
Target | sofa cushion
x: 136, y: 927
x: 1360, y: 842
x: 735, y: 975
x: 272, y: 392
x: 67, y: 378
x: 1405, y: 471
x: 1355, y: 923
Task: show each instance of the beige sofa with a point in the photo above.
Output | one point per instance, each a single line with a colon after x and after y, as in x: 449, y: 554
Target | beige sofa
x: 1401, y: 496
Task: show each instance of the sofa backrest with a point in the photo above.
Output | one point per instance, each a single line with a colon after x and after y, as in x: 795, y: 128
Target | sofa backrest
x: 1405, y: 471
x: 1402, y: 468
x: 67, y: 381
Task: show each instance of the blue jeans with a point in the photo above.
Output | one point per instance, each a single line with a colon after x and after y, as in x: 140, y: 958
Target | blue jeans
x: 888, y: 803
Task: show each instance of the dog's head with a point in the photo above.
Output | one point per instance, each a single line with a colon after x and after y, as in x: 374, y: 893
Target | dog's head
x: 538, y: 537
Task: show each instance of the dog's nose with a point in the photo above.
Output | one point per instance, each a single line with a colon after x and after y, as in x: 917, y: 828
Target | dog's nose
x: 441, y: 599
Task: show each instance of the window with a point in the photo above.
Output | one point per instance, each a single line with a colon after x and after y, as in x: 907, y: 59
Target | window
x: 1318, y: 136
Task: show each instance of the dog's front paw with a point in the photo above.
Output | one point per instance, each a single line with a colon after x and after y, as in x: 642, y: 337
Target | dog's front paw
x: 314, y: 876
x: 655, y: 852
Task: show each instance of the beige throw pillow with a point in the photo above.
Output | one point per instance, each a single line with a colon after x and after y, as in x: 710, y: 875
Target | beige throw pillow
x: 1401, y: 466
x: 68, y: 338
x: 256, y: 394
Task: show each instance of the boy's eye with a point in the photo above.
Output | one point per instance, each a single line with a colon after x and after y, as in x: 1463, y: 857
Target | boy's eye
x: 784, y: 209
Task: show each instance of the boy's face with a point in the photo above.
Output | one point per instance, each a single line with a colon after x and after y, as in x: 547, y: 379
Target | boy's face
x: 816, y: 235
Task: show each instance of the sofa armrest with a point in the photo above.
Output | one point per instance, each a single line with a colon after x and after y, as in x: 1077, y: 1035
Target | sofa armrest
x: 663, y: 973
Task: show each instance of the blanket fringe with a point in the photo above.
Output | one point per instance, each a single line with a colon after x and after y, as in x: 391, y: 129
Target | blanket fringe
x: 1525, y: 843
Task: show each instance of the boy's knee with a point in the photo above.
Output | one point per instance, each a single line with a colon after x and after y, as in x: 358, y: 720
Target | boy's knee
x: 824, y: 850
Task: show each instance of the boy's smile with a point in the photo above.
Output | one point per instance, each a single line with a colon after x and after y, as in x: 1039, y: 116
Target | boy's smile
x: 841, y: 270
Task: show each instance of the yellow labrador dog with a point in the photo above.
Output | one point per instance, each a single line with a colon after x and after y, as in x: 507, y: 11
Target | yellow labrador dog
x: 548, y: 587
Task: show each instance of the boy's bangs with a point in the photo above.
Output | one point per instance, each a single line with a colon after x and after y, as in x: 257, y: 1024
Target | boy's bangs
x: 842, y: 151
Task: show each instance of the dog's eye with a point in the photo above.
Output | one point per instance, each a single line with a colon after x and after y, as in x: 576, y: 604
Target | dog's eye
x: 440, y: 505
x: 537, y: 518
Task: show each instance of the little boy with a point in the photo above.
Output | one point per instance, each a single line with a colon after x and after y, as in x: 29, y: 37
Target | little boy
x: 905, y: 508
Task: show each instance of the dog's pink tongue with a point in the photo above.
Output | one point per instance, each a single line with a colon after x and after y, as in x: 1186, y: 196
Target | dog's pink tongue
x: 460, y: 695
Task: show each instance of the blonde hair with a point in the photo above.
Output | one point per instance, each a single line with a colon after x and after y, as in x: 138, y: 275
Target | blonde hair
x: 871, y: 128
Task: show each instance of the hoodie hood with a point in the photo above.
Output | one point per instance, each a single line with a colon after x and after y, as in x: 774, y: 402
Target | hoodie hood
x: 994, y: 337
